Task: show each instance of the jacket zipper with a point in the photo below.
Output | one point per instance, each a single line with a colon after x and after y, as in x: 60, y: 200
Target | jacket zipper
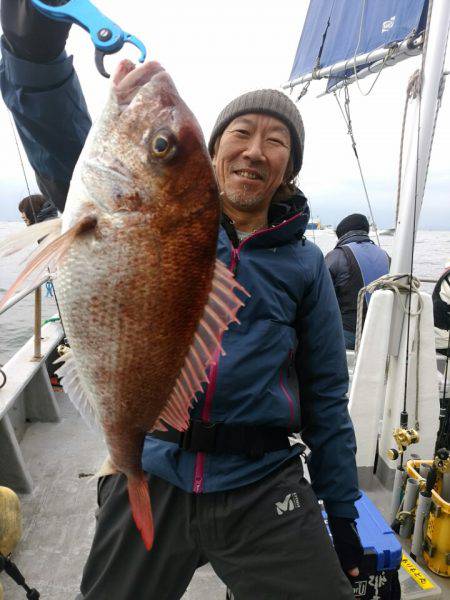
x: 206, y: 412
x: 285, y: 390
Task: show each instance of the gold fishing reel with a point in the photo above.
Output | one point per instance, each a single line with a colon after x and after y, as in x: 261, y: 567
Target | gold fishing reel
x: 442, y: 461
x: 62, y: 349
x: 403, y: 438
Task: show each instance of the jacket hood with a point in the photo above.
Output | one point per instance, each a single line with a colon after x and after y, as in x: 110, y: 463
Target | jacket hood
x: 353, y: 236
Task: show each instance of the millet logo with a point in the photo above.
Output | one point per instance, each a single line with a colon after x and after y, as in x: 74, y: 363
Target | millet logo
x: 291, y: 502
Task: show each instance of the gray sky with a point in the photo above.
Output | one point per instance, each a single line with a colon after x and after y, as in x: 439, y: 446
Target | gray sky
x: 215, y: 51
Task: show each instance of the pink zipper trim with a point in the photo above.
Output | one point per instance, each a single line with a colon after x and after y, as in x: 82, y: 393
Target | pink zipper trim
x: 289, y: 398
x: 206, y: 412
x: 261, y: 231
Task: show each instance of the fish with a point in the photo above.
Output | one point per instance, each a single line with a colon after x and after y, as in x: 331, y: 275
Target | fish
x: 143, y: 300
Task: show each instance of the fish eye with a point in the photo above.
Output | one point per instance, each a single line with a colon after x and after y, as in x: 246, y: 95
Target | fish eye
x: 163, y: 145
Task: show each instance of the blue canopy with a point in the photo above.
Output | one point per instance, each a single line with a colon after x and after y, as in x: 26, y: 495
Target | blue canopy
x: 331, y: 32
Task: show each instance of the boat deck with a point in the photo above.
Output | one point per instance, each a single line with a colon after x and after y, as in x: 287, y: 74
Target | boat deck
x: 58, y: 516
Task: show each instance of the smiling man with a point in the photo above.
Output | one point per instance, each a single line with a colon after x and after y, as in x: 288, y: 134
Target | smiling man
x: 231, y: 490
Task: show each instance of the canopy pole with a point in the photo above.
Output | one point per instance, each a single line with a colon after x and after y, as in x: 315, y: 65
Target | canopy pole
x: 408, y: 47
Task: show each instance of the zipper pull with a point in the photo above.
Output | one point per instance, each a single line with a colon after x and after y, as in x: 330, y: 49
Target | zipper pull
x: 234, y: 259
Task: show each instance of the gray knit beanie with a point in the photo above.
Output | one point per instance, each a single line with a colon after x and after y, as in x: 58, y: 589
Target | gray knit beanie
x: 271, y: 102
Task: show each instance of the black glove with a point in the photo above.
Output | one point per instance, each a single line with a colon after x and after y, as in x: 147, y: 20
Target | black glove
x: 31, y: 35
x: 346, y: 542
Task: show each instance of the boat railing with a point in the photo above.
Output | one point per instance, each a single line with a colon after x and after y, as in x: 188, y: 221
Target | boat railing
x: 37, y: 289
x: 26, y: 393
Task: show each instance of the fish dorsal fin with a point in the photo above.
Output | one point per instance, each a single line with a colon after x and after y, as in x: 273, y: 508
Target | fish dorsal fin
x: 220, y: 311
x: 72, y: 385
x: 50, y: 253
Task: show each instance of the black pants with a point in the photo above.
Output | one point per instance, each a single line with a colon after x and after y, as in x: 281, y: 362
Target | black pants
x: 266, y: 541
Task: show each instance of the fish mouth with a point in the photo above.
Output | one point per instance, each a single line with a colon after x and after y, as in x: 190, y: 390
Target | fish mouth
x: 129, y: 79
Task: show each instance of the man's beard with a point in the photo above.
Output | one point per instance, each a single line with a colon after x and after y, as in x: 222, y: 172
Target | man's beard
x: 242, y: 200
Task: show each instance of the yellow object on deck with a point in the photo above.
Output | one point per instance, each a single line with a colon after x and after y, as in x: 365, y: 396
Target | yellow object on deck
x: 436, y: 551
x: 10, y: 521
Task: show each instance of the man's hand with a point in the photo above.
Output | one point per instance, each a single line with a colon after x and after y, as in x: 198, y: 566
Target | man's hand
x: 347, y: 544
x: 31, y: 35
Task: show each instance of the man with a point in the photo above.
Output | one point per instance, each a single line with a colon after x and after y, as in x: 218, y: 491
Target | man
x: 231, y: 490
x: 354, y: 263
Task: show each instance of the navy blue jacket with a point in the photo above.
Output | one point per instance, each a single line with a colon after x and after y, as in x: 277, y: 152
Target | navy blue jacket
x: 51, y: 116
x: 284, y: 365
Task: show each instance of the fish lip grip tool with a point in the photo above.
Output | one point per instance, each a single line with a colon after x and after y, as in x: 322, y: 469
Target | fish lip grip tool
x: 106, y: 35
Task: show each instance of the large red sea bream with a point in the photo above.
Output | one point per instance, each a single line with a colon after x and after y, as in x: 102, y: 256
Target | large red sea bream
x: 143, y: 300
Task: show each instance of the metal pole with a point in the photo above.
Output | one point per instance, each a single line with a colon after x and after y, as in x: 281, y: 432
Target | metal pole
x: 407, y: 47
x: 412, y: 191
x: 37, y: 323
x: 413, y: 185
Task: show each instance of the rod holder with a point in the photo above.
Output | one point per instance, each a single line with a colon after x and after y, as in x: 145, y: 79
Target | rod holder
x: 409, y: 504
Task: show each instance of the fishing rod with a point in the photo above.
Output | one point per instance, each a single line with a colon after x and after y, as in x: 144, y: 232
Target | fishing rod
x: 12, y: 570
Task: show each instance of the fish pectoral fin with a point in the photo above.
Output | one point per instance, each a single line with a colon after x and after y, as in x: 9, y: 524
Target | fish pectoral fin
x: 220, y: 311
x: 72, y: 385
x: 23, y: 238
x: 48, y: 254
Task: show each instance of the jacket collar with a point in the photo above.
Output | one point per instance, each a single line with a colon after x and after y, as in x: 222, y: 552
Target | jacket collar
x: 287, y: 221
x: 353, y: 236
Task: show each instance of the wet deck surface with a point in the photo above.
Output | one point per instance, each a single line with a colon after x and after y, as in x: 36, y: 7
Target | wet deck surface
x: 58, y: 516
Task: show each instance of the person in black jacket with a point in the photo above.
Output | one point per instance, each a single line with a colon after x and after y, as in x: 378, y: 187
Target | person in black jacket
x: 354, y: 263
x: 36, y: 208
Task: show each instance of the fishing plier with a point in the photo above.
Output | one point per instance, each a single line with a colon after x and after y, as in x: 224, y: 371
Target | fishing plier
x: 107, y: 36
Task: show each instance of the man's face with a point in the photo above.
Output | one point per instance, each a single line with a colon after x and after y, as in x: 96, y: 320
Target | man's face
x: 251, y: 160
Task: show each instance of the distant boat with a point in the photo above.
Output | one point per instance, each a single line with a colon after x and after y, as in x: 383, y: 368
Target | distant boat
x: 387, y: 231
x: 314, y: 224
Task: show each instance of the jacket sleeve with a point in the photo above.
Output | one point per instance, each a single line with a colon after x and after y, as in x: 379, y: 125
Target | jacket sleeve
x: 51, y: 116
x: 323, y: 379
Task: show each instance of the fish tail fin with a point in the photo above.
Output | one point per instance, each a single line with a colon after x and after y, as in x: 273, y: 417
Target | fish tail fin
x: 141, y: 508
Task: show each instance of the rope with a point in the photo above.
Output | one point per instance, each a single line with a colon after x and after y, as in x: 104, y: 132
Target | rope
x: 393, y: 283
x: 347, y: 118
x: 22, y: 165
x: 412, y: 91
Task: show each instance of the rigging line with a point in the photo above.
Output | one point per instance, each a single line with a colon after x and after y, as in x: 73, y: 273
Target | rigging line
x: 22, y: 165
x: 316, y: 67
x: 385, y: 59
x: 347, y: 118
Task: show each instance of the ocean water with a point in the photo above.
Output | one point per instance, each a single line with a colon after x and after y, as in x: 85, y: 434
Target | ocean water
x: 432, y: 251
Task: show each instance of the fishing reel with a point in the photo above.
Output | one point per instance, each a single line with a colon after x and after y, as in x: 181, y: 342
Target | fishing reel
x: 62, y: 349
x: 403, y: 438
x: 442, y: 461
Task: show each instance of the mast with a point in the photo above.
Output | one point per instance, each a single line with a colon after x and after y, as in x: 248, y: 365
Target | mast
x: 424, y: 108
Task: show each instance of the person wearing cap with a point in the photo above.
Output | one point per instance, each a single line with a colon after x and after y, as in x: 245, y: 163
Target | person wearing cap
x: 231, y: 490
x: 355, y: 262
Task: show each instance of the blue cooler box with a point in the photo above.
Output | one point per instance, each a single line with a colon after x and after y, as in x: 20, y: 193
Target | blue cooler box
x: 378, y: 573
